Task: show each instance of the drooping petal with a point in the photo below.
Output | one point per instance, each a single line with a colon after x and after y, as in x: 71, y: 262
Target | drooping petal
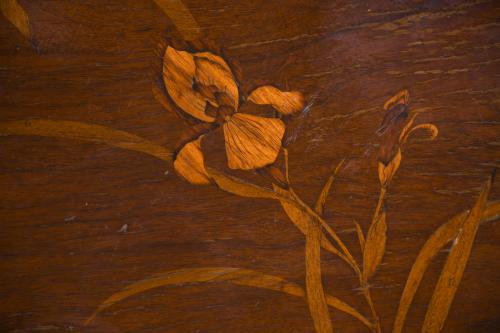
x: 212, y: 71
x: 430, y: 128
x: 284, y: 102
x: 179, y: 70
x: 190, y: 165
x: 251, y: 141
x: 402, y: 97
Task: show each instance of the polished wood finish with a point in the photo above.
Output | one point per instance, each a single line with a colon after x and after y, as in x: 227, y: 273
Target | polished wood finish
x: 81, y: 219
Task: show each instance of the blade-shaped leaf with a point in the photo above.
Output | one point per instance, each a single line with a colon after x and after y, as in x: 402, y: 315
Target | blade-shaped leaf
x: 374, y: 248
x: 181, y: 17
x: 86, y: 132
x: 453, y: 270
x: 17, y: 16
x: 320, y: 203
x: 361, y: 236
x: 239, y: 186
x: 314, y: 286
x: 436, y: 242
x: 238, y: 276
x: 314, y: 240
x: 299, y: 219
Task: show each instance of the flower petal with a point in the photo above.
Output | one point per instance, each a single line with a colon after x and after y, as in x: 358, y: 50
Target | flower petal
x: 387, y: 171
x: 178, y: 74
x: 190, y: 165
x: 431, y: 128
x: 402, y: 97
x: 283, y: 102
x: 212, y: 71
x: 214, y: 58
x: 252, y: 142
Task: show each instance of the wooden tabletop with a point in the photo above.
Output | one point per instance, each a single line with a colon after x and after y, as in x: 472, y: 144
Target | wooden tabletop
x: 92, y: 202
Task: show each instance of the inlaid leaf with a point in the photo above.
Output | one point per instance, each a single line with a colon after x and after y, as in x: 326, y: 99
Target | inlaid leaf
x: 17, y: 16
x: 239, y: 186
x: 181, y: 17
x: 284, y: 102
x: 86, y: 132
x: 320, y: 203
x: 436, y: 242
x: 361, y: 236
x: 453, y: 270
x: 314, y: 239
x: 314, y: 285
x: 238, y: 276
x: 299, y: 218
x: 252, y: 142
x: 374, y: 248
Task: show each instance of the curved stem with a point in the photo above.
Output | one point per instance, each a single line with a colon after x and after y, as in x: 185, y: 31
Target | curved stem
x: 366, y: 293
x: 380, y: 203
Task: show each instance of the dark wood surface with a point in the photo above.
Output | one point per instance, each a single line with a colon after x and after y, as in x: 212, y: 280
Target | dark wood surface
x: 80, y: 221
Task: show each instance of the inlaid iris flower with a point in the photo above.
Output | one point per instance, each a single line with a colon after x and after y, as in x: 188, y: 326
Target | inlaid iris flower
x: 204, y: 89
x: 396, y: 127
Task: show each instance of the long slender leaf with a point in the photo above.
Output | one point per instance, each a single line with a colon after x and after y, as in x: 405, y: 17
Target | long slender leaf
x: 320, y: 203
x: 86, y: 132
x: 17, y: 16
x: 374, y: 248
x: 436, y: 242
x: 314, y: 285
x: 239, y: 186
x: 454, y: 267
x: 181, y: 17
x: 299, y: 219
x: 361, y: 236
x: 238, y: 276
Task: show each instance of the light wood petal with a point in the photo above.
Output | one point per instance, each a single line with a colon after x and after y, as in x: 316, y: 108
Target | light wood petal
x: 178, y: 74
x: 214, y: 58
x: 252, y: 142
x: 386, y: 172
x: 402, y: 97
x: 190, y: 165
x: 283, y: 102
x: 212, y: 70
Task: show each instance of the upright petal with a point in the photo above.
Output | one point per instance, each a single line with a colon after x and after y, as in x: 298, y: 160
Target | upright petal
x: 178, y: 74
x: 212, y: 71
x: 190, y: 165
x: 284, y: 102
x: 251, y: 141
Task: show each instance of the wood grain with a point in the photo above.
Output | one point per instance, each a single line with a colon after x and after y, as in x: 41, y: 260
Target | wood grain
x: 80, y: 220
